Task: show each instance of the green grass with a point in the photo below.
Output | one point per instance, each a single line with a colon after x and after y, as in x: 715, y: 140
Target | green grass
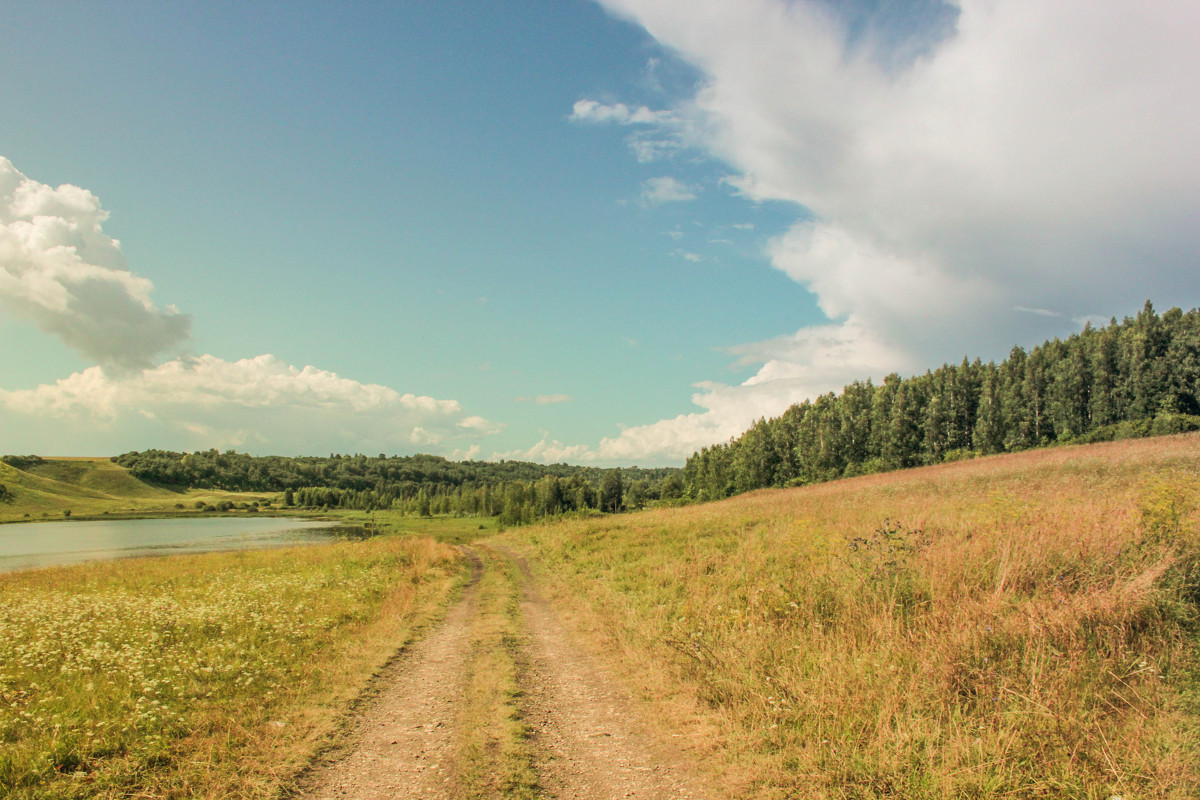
x: 99, y: 475
x: 96, y: 487
x: 451, y: 530
x: 1020, y: 626
x: 83, y: 487
x: 495, y: 758
x: 198, y: 676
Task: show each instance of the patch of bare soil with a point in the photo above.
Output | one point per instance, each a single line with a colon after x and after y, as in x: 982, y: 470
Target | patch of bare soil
x: 403, y: 742
x: 589, y: 741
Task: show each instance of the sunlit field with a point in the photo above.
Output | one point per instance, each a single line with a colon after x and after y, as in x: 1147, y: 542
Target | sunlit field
x: 1017, y: 626
x: 198, y: 676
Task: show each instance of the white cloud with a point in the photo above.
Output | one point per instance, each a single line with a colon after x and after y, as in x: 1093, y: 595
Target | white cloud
x: 812, y: 362
x: 1041, y: 155
x: 619, y: 113
x: 551, y: 399
x: 207, y: 381
x: 205, y: 401
x: 469, y: 454
x: 548, y: 452
x: 663, y: 133
x: 657, y: 191
x: 58, y: 268
x: 1041, y: 312
x: 793, y: 368
x: 480, y: 425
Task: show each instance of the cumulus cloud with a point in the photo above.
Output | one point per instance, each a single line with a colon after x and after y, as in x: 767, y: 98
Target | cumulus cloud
x: 58, y: 268
x: 548, y: 452
x: 793, y: 368
x: 950, y: 181
x: 260, y: 400
x: 657, y: 191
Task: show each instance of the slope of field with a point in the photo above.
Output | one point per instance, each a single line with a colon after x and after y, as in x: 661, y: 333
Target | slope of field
x: 91, y: 486
x: 97, y: 474
x: 1021, y: 626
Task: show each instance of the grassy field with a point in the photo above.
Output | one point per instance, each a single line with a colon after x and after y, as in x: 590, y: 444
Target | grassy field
x: 1017, y: 626
x: 451, y: 530
x: 199, y: 676
x: 83, y: 487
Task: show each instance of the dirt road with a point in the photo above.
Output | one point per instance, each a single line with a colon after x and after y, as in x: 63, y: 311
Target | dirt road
x: 403, y: 741
x: 584, y: 739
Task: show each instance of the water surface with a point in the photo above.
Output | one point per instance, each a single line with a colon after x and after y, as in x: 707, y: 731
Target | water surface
x: 44, y: 544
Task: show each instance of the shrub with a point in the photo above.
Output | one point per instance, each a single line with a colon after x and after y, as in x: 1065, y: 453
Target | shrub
x: 22, y: 462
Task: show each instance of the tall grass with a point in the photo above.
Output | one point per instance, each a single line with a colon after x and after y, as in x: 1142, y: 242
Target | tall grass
x: 1021, y: 626
x: 197, y: 676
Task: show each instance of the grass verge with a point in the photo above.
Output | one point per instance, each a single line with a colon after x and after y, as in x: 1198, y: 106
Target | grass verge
x: 1019, y: 626
x: 494, y: 754
x: 204, y: 676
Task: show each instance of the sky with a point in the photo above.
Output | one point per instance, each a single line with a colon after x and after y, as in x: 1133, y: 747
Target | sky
x: 564, y: 231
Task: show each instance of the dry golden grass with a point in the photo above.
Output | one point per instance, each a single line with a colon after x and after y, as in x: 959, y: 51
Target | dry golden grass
x: 1019, y: 626
x: 207, y: 676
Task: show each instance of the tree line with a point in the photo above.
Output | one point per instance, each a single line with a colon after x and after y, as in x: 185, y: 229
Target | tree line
x: 1137, y: 377
x: 515, y: 491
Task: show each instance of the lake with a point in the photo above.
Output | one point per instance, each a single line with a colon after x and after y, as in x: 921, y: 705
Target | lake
x: 44, y: 544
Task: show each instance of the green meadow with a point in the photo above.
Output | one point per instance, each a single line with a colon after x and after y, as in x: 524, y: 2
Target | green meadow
x: 58, y: 488
x: 199, y: 676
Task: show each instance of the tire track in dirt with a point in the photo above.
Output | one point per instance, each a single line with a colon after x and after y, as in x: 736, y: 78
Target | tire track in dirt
x: 589, y: 742
x: 403, y: 743
x: 586, y: 741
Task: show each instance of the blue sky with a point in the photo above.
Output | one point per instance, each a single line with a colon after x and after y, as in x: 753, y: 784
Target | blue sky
x: 593, y: 232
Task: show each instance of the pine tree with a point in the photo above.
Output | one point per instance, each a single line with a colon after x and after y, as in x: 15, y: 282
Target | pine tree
x: 988, y: 435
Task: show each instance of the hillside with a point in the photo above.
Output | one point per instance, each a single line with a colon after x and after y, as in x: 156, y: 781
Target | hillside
x: 1022, y: 625
x: 96, y: 474
x: 50, y: 487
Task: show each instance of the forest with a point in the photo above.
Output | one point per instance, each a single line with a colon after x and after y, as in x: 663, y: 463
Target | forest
x: 517, y: 492
x: 1136, y: 377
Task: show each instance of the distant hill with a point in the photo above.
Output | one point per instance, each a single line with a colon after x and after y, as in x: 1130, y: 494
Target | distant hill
x: 95, y: 474
x: 38, y: 487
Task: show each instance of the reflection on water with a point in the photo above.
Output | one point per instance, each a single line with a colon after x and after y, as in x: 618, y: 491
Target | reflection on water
x: 43, y: 544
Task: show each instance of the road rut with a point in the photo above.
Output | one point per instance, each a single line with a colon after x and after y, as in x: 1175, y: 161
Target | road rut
x: 586, y: 741
x: 403, y: 743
